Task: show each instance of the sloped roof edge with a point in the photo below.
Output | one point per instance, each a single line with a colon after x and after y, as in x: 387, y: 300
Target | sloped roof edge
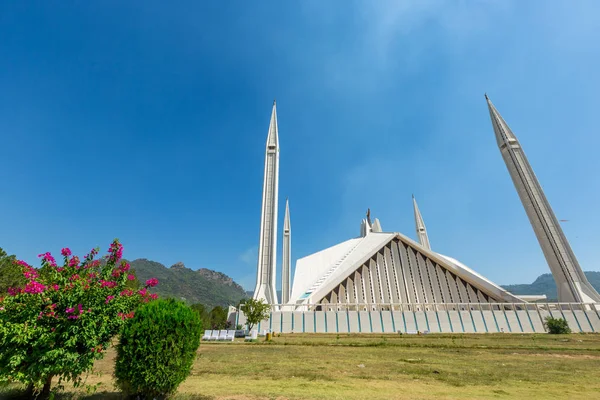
x: 382, y: 239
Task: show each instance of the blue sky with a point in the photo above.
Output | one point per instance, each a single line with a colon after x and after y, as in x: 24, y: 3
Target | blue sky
x: 148, y: 122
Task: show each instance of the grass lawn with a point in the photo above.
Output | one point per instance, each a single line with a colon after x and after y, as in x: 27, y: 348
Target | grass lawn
x: 312, y: 366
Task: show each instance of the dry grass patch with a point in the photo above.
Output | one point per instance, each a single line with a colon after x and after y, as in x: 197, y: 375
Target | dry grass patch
x: 389, y: 367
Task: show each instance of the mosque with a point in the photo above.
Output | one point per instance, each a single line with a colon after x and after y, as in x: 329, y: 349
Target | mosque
x: 387, y: 282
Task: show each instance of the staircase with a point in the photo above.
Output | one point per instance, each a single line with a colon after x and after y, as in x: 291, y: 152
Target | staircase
x: 332, y: 269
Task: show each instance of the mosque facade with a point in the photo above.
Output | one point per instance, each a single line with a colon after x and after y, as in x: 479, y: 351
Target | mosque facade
x: 389, y: 278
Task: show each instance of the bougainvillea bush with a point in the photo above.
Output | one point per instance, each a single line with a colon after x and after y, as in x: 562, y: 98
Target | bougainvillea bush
x: 65, y: 316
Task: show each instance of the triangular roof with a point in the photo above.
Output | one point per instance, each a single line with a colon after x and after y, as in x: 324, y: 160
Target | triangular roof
x: 319, y: 274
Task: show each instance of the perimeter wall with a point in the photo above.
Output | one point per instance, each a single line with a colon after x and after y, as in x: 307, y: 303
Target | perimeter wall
x: 431, y: 318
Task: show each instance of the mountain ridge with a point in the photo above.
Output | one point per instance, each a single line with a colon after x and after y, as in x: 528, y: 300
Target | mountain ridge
x: 205, y: 286
x: 544, y: 284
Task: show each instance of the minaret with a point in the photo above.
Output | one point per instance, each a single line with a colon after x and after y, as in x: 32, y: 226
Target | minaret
x: 420, y: 226
x: 287, y: 256
x: 571, y: 283
x: 267, y: 248
x: 376, y: 228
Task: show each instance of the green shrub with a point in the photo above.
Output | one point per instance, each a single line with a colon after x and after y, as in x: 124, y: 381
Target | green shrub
x: 157, y: 349
x: 557, y: 326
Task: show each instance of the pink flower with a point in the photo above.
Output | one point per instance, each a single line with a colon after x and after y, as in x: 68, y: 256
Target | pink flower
x: 92, y: 253
x: 71, y: 310
x: 34, y: 287
x: 47, y: 258
x: 55, y: 287
x: 143, y: 291
x: 152, y: 282
x: 66, y: 252
x: 14, y: 291
x: 74, y: 277
x: 74, y: 262
x: 116, y: 273
x: 127, y: 292
x: 126, y: 316
x: 116, y: 252
x: 125, y: 266
x: 30, y: 273
x: 60, y: 269
x: 108, y: 284
x: 108, y: 299
x: 131, y: 277
x: 154, y: 296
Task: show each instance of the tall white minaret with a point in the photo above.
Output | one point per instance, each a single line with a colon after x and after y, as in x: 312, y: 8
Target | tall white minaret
x: 267, y: 248
x: 287, y: 256
x: 420, y: 226
x: 571, y: 282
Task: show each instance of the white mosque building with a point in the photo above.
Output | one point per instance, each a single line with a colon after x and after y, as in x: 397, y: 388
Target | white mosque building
x: 387, y: 282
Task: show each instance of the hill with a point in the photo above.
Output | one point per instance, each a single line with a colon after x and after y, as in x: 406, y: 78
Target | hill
x: 205, y: 286
x: 544, y: 284
x: 250, y: 293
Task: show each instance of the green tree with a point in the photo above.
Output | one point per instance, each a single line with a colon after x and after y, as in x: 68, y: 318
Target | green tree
x: 218, y: 318
x: 557, y: 326
x: 255, y: 311
x: 64, y: 317
x: 10, y: 273
x: 200, y: 309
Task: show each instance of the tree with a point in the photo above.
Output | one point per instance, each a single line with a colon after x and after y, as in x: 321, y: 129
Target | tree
x: 200, y: 309
x: 213, y: 319
x: 218, y: 318
x: 255, y: 311
x: 63, y: 318
x: 10, y: 272
x: 557, y: 326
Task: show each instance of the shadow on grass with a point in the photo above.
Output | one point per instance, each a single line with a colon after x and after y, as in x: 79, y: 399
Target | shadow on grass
x: 19, y: 394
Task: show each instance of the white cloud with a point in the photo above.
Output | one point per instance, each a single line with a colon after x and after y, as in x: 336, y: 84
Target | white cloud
x: 249, y: 256
x: 385, y: 40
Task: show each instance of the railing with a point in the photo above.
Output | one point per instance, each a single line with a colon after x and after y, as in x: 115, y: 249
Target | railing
x: 439, y: 307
